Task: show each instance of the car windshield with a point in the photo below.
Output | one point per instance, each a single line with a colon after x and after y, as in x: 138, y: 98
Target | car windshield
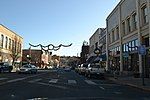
x: 26, y: 66
x: 74, y: 49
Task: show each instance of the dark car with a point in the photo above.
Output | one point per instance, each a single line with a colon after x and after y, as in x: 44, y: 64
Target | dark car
x: 4, y: 66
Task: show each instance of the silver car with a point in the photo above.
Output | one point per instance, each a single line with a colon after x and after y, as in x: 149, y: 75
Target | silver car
x: 28, y: 69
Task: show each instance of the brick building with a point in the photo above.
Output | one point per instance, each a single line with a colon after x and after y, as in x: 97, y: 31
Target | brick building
x: 10, y: 45
x: 36, y: 57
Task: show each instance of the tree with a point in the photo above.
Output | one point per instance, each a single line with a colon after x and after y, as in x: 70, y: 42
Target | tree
x: 15, y: 56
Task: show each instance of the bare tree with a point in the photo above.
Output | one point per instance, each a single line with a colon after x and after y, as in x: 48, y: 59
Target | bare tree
x: 15, y: 56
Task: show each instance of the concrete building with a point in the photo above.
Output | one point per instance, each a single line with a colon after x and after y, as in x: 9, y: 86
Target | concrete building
x: 97, y: 40
x: 128, y: 27
x: 94, y: 41
x: 36, y: 57
x: 102, y: 46
x: 10, y: 45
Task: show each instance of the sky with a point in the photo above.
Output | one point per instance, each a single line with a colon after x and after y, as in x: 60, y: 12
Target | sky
x: 55, y: 21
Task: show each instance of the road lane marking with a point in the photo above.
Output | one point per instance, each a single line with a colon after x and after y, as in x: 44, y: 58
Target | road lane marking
x: 101, y: 87
x: 3, y: 79
x: 53, y: 81
x: 20, y: 79
x: 36, y: 80
x: 56, y: 86
x: 90, y: 82
x: 72, y: 82
x: 15, y: 80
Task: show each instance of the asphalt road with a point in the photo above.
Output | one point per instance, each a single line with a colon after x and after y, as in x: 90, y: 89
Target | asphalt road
x: 61, y: 85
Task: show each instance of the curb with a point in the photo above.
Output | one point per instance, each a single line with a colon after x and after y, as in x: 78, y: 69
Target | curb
x: 129, y: 84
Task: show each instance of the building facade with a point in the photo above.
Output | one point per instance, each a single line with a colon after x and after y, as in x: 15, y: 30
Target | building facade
x: 128, y: 27
x: 84, y: 52
x: 36, y: 57
x: 94, y: 42
x: 102, y: 47
x: 10, y: 45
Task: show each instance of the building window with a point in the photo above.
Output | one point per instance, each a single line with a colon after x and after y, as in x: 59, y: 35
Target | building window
x: 20, y: 48
x: 129, y: 46
x: 145, y: 14
x: 117, y: 33
x: 9, y: 44
x: 123, y: 28
x: 133, y: 45
x: 136, y: 44
x: 96, y: 44
x: 13, y: 46
x: 109, y: 38
x: 128, y: 25
x: 6, y: 42
x: 113, y: 36
x: 134, y: 21
x: 2, y: 40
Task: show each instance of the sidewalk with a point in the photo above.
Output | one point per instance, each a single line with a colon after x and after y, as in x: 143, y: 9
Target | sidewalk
x: 131, y: 81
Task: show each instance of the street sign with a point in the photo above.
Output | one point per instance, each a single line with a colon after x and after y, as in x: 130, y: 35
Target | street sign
x: 142, y: 50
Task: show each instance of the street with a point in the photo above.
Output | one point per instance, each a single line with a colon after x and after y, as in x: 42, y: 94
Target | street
x: 63, y: 85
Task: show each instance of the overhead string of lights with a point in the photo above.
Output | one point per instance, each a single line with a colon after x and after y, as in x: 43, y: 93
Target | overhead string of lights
x: 50, y: 47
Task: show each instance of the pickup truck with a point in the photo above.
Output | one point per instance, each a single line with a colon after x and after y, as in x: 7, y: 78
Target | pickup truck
x: 95, y: 70
x: 4, y: 66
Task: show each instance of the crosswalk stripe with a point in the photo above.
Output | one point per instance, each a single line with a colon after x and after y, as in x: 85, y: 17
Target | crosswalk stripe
x: 72, y: 82
x: 3, y: 79
x: 90, y: 82
x: 36, y: 80
x: 53, y: 81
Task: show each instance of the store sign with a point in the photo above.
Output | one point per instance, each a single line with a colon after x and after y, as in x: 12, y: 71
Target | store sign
x: 142, y: 50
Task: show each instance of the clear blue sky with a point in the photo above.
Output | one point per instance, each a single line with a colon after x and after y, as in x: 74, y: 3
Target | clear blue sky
x: 55, y: 21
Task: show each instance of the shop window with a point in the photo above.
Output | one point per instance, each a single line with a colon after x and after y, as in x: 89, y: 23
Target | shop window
x: 136, y: 44
x: 133, y: 45
x: 127, y: 48
x: 146, y: 42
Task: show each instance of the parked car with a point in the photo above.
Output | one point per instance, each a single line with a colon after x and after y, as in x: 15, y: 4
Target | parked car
x: 4, y: 66
x: 95, y: 70
x: 28, y: 69
x: 67, y: 69
x: 82, y: 69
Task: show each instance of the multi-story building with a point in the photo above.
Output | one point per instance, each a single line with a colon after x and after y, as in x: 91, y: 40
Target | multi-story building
x: 128, y: 27
x: 84, y: 52
x: 102, y: 47
x: 97, y: 41
x: 36, y: 57
x: 10, y: 45
x: 94, y: 41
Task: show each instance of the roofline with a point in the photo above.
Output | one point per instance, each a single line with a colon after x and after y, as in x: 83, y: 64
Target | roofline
x: 10, y: 30
x: 115, y: 9
x: 95, y: 32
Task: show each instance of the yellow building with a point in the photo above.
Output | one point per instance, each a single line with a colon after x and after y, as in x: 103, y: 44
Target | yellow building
x: 10, y: 45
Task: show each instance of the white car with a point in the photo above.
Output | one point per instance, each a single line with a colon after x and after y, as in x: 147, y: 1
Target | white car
x: 94, y: 69
x: 28, y: 69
